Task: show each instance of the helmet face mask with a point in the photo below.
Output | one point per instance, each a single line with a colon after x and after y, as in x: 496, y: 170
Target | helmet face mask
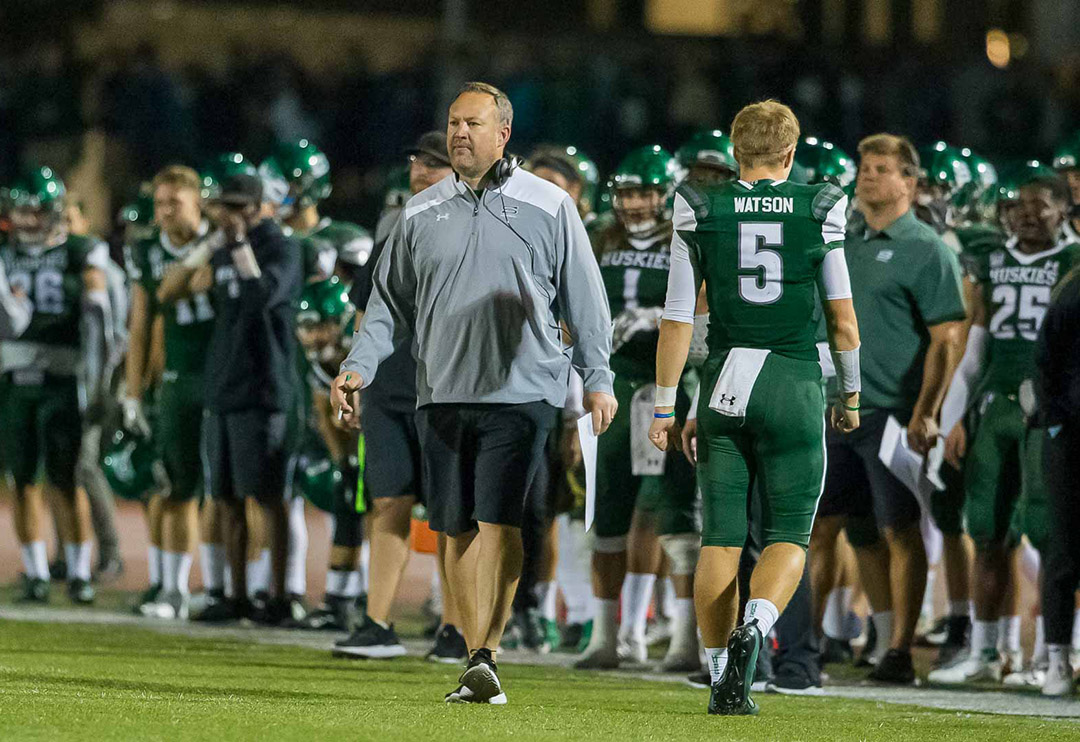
x: 641, y: 187
x: 638, y: 208
x: 35, y: 225
x: 36, y: 206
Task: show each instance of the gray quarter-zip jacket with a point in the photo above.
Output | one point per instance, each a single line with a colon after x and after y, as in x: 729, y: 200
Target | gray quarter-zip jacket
x: 485, y: 303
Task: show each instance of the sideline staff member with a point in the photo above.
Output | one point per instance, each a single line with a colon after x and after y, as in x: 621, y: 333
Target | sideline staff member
x: 481, y: 269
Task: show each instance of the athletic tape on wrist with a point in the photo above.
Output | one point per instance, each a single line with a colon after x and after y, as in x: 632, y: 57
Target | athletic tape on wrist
x: 848, y: 374
x: 665, y: 396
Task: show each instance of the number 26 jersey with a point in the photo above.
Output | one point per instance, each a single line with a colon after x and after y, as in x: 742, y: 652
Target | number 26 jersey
x: 760, y: 248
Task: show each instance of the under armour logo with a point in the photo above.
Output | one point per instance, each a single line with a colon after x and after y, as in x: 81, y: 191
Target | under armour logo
x: 441, y: 217
x: 725, y: 399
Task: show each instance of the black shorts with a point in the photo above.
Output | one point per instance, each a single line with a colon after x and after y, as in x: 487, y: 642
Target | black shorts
x: 247, y: 455
x: 391, y: 452
x: 479, y: 461
x: 858, y: 485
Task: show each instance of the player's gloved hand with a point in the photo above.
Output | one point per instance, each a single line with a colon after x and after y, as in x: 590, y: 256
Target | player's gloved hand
x: 134, y: 419
x: 603, y: 407
x: 922, y: 433
x: 664, y: 434
x: 956, y: 447
x: 689, y: 440
x: 345, y: 398
x: 632, y: 321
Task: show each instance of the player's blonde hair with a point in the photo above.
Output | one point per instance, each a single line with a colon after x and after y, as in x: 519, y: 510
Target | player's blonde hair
x: 763, y: 134
x: 180, y: 176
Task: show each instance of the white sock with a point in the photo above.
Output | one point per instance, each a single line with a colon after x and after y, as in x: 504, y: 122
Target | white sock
x: 29, y: 567
x: 40, y: 556
x: 1075, y: 631
x: 959, y: 608
x: 764, y: 612
x: 837, y: 605
x: 636, y: 596
x: 547, y: 593
x: 717, y: 659
x: 1009, y: 633
x: 1057, y: 654
x: 335, y: 582
x: 1038, y: 654
x: 227, y: 582
x: 365, y: 563
x: 78, y: 560
x: 605, y: 624
x: 153, y: 564
x: 296, y: 561
x: 168, y: 571
x: 928, y: 594
x: 354, y: 584
x: 984, y: 636
x: 183, y: 573
x: 436, y: 589
x: 683, y: 628
x: 212, y: 558
x: 883, y: 626
x: 665, y: 598
x: 258, y: 573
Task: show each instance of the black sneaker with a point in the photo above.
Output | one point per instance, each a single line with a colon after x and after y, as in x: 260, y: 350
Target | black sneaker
x: 293, y: 612
x: 699, y: 679
x: 370, y: 641
x: 937, y: 634
x: 481, y: 679
x: 571, y: 636
x: 449, y: 648
x: 793, y: 679
x: 223, y: 611
x: 335, y: 614
x: 895, y: 667
x: 58, y: 570
x: 731, y: 694
x: 956, y: 640
x: 81, y: 592
x: 34, y: 590
x: 836, y: 652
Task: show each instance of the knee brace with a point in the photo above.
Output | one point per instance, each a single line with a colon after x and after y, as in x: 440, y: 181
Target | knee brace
x: 683, y: 550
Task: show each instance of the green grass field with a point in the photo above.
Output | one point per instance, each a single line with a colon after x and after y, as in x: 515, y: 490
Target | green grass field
x: 85, y: 682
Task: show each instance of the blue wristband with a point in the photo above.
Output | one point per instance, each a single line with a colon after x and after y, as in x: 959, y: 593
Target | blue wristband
x: 663, y: 415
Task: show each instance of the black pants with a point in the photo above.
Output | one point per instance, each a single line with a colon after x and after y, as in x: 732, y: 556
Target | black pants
x: 1061, y: 565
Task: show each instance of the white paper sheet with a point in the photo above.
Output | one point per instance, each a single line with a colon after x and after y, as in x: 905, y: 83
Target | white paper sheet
x: 587, y: 438
x: 906, y: 465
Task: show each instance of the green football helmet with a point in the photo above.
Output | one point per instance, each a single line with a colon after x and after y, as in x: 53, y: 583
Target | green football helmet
x: 226, y: 165
x: 1067, y: 154
x: 398, y: 190
x: 324, y: 301
x: 824, y: 162
x: 137, y: 218
x: 646, y: 168
x: 128, y: 463
x: 947, y: 168
x: 590, y: 176
x: 36, y: 205
x: 306, y: 171
x: 981, y: 200
x: 709, y: 148
x: 321, y: 484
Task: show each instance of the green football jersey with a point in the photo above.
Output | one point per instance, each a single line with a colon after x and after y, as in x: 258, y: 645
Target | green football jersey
x: 52, y: 279
x: 758, y: 247
x: 1017, y: 289
x: 189, y: 322
x: 329, y: 239
x: 635, y: 275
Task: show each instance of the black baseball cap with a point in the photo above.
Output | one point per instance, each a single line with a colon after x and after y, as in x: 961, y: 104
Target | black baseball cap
x: 241, y: 189
x: 433, y: 144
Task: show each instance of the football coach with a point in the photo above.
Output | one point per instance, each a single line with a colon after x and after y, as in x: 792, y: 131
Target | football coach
x: 482, y: 269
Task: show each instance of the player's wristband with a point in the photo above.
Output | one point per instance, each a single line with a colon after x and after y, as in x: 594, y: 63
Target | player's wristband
x: 663, y: 415
x: 665, y: 396
x: 849, y: 407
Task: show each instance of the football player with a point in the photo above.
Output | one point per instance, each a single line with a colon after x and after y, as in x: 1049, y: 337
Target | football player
x: 708, y: 157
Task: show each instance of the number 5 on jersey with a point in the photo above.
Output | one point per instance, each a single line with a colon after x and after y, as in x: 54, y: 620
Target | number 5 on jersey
x: 766, y: 285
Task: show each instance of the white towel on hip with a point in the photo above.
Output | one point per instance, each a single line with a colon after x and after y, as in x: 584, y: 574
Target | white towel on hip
x: 737, y: 378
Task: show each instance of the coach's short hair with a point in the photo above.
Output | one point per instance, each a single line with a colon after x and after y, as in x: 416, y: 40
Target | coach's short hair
x: 502, y: 103
x: 180, y: 176
x: 897, y: 146
x: 763, y: 133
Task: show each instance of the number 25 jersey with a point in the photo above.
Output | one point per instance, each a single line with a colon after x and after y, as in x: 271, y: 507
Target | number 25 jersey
x: 759, y: 247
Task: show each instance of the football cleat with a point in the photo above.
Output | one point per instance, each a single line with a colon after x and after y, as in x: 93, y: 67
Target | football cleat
x: 633, y: 650
x: 449, y: 647
x: 81, y: 592
x: 481, y: 677
x: 34, y: 590
x: 598, y: 658
x: 895, y: 667
x: 1059, y: 680
x: 730, y: 695
x: 969, y: 669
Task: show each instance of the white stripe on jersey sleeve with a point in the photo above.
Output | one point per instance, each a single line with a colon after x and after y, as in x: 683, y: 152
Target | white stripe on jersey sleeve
x: 835, y: 224
x: 681, y: 290
x: 832, y: 279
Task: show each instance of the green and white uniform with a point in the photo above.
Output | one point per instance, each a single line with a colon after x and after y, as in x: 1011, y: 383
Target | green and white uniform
x: 188, y: 324
x: 1017, y: 290
x: 329, y: 240
x: 42, y: 422
x: 630, y: 472
x: 762, y: 249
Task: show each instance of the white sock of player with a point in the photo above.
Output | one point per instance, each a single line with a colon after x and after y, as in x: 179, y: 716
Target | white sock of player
x: 984, y: 636
x: 927, y: 609
x: 436, y: 589
x: 227, y: 582
x: 40, y: 555
x: 1076, y: 630
x: 78, y: 560
x: 636, y: 596
x: 183, y: 573
x: 605, y: 625
x: 837, y: 605
x: 354, y: 584
x: 547, y: 594
x: 683, y: 628
x: 717, y: 660
x: 258, y: 573
x: 335, y: 582
x: 1038, y: 653
x: 212, y: 558
x: 153, y: 564
x: 365, y: 562
x: 30, y: 564
x: 296, y: 561
x: 665, y: 597
x: 883, y: 626
x: 764, y: 611
x: 1009, y: 634
x: 168, y: 572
